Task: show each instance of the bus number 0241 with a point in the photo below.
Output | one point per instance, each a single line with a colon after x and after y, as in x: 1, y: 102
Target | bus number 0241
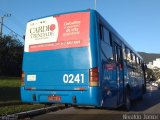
x: 71, y: 78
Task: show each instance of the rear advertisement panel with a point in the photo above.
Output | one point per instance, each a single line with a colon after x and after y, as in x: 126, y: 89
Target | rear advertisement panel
x: 57, y: 32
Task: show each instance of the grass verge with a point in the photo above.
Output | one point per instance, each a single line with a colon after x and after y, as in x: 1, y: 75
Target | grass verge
x: 7, y: 110
x: 10, y: 102
x: 10, y: 82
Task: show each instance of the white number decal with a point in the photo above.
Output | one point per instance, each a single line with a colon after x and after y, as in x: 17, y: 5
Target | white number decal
x: 65, y: 78
x: 71, y: 77
x: 82, y: 76
x: 78, y: 78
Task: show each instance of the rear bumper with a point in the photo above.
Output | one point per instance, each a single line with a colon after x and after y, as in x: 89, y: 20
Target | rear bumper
x: 87, y: 97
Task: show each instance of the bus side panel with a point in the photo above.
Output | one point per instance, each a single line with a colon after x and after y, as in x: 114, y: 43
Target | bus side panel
x: 108, y: 78
x: 94, y: 42
x: 135, y: 83
x: 95, y: 51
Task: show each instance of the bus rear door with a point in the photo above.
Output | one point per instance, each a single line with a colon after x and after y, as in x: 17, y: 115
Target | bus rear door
x: 119, y: 73
x: 112, y: 84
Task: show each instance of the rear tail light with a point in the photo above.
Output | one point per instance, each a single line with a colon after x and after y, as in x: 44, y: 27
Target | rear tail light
x: 22, y: 79
x: 93, y: 77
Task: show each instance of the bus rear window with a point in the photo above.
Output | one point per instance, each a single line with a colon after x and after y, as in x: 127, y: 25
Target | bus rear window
x: 58, y: 32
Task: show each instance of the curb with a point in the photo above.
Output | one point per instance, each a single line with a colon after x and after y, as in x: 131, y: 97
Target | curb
x: 31, y: 113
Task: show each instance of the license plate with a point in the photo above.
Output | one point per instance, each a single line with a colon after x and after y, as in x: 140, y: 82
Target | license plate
x: 54, y: 98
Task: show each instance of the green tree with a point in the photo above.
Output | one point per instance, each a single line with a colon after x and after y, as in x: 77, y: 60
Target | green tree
x: 156, y: 71
x: 11, y: 52
x: 150, y: 74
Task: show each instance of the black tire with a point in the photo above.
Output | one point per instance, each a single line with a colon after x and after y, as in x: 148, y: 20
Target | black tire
x: 143, y: 92
x: 140, y: 98
x: 127, y: 101
x: 66, y: 105
x: 144, y: 89
x: 76, y: 107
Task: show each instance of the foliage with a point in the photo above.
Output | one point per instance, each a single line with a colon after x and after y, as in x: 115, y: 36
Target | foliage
x: 150, y: 74
x: 11, y: 52
x: 153, y: 74
x: 149, y: 57
x: 156, y: 73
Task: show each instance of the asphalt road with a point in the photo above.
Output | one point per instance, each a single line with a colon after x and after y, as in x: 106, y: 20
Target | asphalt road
x: 148, y: 108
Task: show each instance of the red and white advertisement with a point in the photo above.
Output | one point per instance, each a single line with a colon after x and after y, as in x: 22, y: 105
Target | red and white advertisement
x: 57, y: 32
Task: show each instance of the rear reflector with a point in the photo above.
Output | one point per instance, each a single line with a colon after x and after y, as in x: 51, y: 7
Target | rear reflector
x: 22, y: 79
x: 93, y: 76
x: 30, y: 88
x: 79, y: 88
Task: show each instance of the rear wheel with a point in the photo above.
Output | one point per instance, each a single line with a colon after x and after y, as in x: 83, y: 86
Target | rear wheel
x: 127, y: 101
x: 143, y: 91
x: 66, y: 106
x: 75, y: 106
x: 140, y: 98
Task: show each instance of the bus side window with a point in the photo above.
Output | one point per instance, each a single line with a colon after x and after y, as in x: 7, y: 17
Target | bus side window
x: 138, y: 66
x: 119, y: 54
x: 137, y: 61
x: 140, y: 62
x: 100, y: 32
x: 107, y: 54
x: 134, y: 60
x: 131, y: 54
x: 115, y: 54
x: 106, y: 36
x: 128, y: 55
x: 124, y: 52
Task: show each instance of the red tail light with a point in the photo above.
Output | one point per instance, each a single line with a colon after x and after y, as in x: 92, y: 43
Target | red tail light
x: 22, y: 79
x: 93, y: 77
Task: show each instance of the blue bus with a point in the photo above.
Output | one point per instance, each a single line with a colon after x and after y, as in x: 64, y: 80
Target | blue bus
x: 77, y: 58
